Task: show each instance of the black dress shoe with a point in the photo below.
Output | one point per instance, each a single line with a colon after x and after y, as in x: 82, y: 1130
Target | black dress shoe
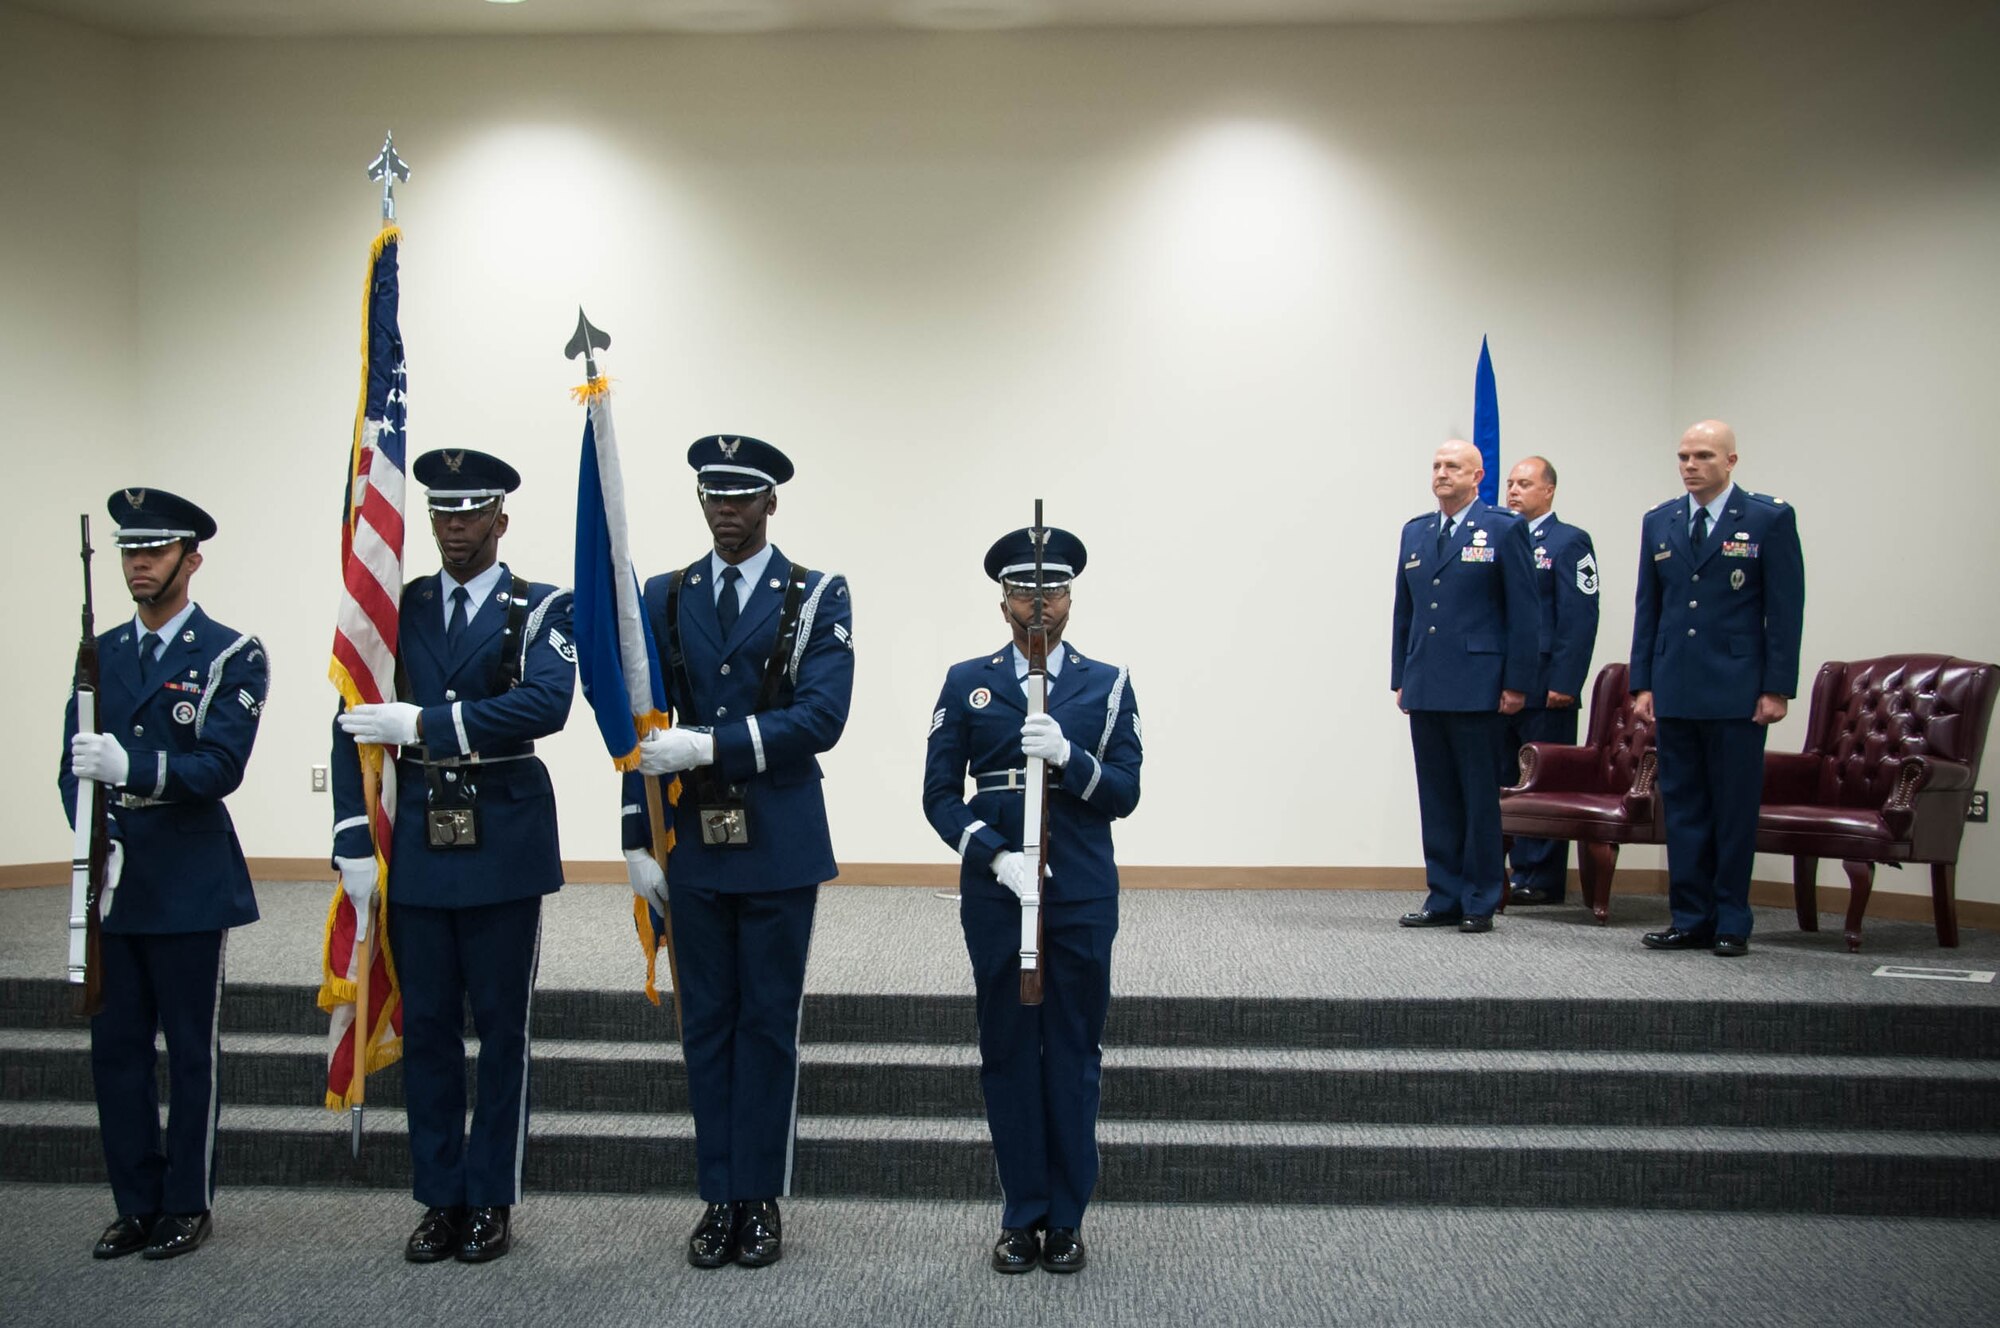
x: 1423, y: 917
x: 713, y: 1243
x: 128, y: 1235
x: 1732, y: 947
x: 1062, y: 1250
x: 176, y: 1234
x: 437, y: 1235
x: 488, y: 1234
x: 760, y: 1236
x: 1532, y: 895
x: 1673, y: 938
x: 1017, y: 1250
x: 1484, y: 922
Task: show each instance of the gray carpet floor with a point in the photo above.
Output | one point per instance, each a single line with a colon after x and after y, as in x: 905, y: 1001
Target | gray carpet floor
x: 1335, y: 943
x: 286, y: 1257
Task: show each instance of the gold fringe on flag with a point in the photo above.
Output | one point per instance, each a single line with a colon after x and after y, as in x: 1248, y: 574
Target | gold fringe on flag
x: 590, y: 391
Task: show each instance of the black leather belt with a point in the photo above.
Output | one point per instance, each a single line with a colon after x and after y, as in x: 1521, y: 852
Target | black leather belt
x: 1000, y: 781
x: 513, y: 752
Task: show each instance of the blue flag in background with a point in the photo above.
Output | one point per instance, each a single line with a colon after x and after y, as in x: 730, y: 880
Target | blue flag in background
x: 1486, y: 426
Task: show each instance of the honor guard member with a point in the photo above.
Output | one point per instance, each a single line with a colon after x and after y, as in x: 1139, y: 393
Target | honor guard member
x: 485, y: 666
x: 1039, y: 1065
x: 1462, y: 659
x: 1715, y: 658
x: 179, y: 700
x: 1566, y: 579
x: 760, y: 669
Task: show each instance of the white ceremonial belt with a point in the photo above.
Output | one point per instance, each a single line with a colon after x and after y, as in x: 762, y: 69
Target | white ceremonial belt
x: 1000, y: 781
x: 137, y: 800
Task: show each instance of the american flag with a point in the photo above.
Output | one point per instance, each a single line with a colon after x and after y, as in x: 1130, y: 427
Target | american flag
x: 364, y: 663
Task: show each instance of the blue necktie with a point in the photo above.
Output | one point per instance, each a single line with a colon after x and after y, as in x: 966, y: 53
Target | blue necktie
x: 727, y: 607
x: 1700, y: 534
x: 149, y: 645
x: 455, y: 627
x: 1444, y: 532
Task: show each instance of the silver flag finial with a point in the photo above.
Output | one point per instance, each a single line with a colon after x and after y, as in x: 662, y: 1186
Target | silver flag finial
x: 588, y: 339
x: 388, y: 168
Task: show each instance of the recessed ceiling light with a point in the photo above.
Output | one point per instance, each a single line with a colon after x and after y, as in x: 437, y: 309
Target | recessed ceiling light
x: 504, y: 2
x: 718, y: 15
x: 973, y: 15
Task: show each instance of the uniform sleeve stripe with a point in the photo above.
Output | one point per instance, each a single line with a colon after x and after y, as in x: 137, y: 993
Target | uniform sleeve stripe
x: 458, y: 725
x: 1096, y: 773
x: 160, y: 785
x: 756, y: 742
x: 629, y: 809
x: 351, y: 823
x: 965, y: 840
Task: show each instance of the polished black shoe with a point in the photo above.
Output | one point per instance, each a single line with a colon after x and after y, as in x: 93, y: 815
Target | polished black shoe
x: 760, y: 1236
x: 1017, y: 1250
x: 713, y: 1243
x: 1673, y: 938
x: 1532, y: 895
x: 128, y: 1235
x: 437, y: 1235
x: 1732, y: 947
x: 176, y: 1234
x: 1423, y: 917
x: 488, y: 1234
x: 1062, y: 1250
x: 1484, y: 922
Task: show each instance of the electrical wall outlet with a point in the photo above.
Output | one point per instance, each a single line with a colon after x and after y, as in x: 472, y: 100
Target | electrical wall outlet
x: 1975, y: 811
x: 319, y: 779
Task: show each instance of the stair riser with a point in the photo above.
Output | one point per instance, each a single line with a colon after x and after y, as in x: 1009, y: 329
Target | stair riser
x: 1588, y: 1178
x: 1417, y: 1097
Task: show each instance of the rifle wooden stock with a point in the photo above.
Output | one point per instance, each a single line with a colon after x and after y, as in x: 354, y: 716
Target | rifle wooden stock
x: 92, y: 851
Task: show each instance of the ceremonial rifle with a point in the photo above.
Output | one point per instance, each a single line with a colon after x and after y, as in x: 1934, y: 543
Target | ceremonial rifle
x: 1035, y: 801
x: 93, y: 832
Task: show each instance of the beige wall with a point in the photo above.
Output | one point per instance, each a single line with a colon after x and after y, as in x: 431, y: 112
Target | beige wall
x: 1214, y: 295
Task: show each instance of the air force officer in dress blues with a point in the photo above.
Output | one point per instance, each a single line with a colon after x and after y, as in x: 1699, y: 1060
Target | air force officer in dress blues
x: 1566, y: 579
x: 1462, y: 658
x: 178, y: 704
x: 760, y: 670
x: 1715, y: 657
x: 486, y: 666
x: 1039, y: 1065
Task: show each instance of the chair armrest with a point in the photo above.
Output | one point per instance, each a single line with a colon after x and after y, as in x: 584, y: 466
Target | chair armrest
x: 1791, y: 777
x: 1921, y: 774
x: 1553, y: 767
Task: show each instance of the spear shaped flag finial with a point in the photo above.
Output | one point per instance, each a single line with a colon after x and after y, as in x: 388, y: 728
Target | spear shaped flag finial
x: 587, y: 340
x: 388, y: 168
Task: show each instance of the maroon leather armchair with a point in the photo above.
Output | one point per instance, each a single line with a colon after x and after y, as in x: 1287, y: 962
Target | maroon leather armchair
x: 1891, y: 757
x: 1599, y: 795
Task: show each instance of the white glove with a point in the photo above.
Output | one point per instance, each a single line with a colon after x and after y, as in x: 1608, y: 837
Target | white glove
x: 670, y: 751
x: 359, y: 878
x: 390, y: 724
x: 114, y: 868
x: 1042, y: 736
x: 648, y: 881
x: 98, y: 756
x: 1011, y: 869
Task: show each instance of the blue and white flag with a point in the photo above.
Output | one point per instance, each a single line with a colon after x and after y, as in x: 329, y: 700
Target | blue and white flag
x: 1486, y: 426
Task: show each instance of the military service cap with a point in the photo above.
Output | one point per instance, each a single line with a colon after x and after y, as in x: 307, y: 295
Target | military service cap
x: 728, y: 464
x: 1011, y: 560
x: 148, y: 518
x: 463, y: 480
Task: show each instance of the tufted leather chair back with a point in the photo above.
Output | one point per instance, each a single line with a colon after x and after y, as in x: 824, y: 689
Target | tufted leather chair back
x: 1869, y: 713
x: 1617, y: 735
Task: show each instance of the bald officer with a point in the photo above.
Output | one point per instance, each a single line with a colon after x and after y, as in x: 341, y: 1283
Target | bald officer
x: 1566, y: 634
x: 1462, y: 658
x: 1715, y: 658
x: 486, y: 666
x: 1039, y: 1065
x: 179, y: 699
x: 760, y: 670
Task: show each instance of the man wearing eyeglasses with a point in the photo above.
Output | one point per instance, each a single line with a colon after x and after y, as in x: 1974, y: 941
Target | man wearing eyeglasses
x: 759, y: 656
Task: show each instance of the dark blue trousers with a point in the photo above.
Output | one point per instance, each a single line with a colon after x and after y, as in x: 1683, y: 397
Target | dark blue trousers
x: 743, y: 979
x: 1040, y: 1066
x: 1540, y: 864
x: 1459, y: 806
x: 1711, y: 783
x: 153, y: 985
x: 445, y: 958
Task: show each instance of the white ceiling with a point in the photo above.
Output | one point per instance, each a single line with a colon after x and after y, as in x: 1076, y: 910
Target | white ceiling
x: 324, y: 18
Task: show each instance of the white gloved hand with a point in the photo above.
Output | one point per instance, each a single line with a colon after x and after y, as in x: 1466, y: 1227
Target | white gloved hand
x: 670, y: 751
x: 114, y: 868
x: 648, y: 881
x: 390, y: 724
x: 98, y: 756
x: 1042, y: 736
x: 359, y: 878
x: 1011, y: 869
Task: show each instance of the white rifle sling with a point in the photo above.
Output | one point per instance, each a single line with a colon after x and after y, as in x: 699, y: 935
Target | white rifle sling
x: 1031, y: 835
x: 87, y: 794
